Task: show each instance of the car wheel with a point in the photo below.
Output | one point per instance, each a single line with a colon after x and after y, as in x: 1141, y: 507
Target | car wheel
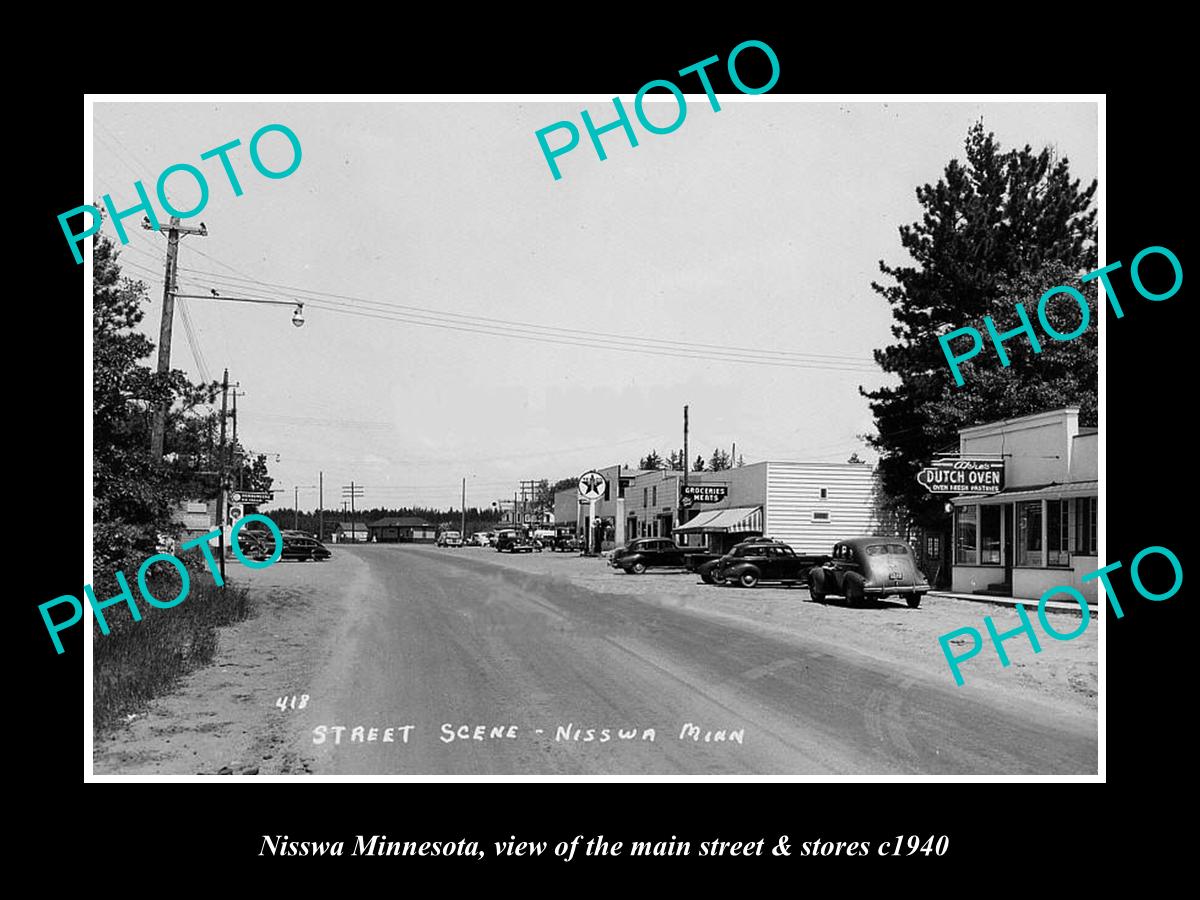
x: 718, y: 578
x: 913, y: 600
x: 748, y: 579
x: 816, y: 585
x: 638, y: 568
x: 855, y: 597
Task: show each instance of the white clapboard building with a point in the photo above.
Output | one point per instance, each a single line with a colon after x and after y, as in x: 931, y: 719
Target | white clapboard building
x: 808, y: 505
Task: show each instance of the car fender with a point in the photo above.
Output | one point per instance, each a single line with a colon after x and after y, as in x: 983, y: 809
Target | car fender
x: 627, y: 562
x: 735, y: 570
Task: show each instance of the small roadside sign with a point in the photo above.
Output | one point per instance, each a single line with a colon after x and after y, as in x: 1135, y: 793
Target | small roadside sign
x: 235, y: 513
x: 250, y: 497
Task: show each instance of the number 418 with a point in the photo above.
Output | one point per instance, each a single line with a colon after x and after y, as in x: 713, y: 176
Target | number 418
x: 915, y: 846
x: 282, y: 702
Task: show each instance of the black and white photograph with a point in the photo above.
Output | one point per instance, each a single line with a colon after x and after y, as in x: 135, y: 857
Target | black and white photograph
x: 690, y: 435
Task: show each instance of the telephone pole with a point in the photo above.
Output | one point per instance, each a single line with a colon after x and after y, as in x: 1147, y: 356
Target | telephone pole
x: 463, y: 530
x: 686, y: 459
x: 223, y: 516
x: 320, y: 506
x: 241, y: 466
x: 352, y: 492
x: 174, y: 231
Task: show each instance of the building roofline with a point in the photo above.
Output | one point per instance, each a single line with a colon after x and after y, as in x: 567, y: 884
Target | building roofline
x: 1044, y: 414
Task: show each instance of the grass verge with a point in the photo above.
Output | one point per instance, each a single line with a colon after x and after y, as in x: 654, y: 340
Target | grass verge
x: 138, y: 661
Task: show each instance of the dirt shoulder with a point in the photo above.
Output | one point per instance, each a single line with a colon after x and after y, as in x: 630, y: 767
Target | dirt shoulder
x: 222, y: 719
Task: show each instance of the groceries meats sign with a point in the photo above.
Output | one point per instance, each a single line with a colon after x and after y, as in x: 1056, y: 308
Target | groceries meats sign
x: 963, y: 476
x: 690, y: 494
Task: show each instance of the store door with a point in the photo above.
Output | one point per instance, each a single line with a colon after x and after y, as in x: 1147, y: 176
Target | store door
x: 1008, y: 543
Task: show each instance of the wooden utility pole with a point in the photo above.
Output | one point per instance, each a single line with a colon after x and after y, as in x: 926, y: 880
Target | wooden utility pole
x: 686, y: 458
x: 241, y: 467
x: 463, y: 531
x: 221, y: 513
x: 321, y: 506
x: 174, y: 231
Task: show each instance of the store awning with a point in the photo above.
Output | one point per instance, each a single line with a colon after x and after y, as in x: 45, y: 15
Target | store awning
x: 738, y: 520
x: 1048, y: 492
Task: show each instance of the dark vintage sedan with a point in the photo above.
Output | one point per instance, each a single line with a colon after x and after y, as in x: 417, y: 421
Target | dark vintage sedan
x: 302, y: 548
x: 869, y: 568
x: 650, y: 553
x: 754, y: 561
x: 512, y: 541
x: 706, y: 564
x: 256, y: 545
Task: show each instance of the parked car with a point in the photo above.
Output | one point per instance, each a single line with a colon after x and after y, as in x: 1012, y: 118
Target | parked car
x: 256, y: 545
x: 565, y: 541
x: 513, y: 542
x: 301, y: 548
x: 449, y: 539
x: 872, y: 568
x: 481, y: 538
x: 703, y: 562
x: 651, y: 553
x: 754, y: 561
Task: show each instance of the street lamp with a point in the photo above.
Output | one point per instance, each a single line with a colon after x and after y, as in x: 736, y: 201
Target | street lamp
x: 297, y: 316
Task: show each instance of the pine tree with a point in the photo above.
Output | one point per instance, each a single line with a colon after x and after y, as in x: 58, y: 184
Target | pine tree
x: 719, y: 460
x: 698, y: 465
x: 651, y: 461
x: 1002, y: 224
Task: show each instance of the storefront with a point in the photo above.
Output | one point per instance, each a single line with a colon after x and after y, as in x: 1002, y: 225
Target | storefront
x: 808, y: 505
x: 1040, y: 530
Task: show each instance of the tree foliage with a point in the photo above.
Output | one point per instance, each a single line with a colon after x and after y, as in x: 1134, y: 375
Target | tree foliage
x: 999, y: 229
x: 651, y: 461
x: 719, y: 460
x: 133, y: 494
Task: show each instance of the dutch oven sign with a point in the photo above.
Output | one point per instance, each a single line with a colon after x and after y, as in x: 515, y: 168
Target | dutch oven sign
x: 702, y: 493
x: 963, y: 476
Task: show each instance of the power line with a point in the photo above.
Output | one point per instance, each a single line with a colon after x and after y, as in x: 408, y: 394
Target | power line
x: 510, y: 328
x: 623, y: 345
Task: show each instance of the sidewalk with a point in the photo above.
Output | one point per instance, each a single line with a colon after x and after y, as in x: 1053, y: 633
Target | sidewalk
x: 1052, y: 605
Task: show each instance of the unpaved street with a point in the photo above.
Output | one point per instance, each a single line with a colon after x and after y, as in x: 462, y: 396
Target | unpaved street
x: 540, y: 649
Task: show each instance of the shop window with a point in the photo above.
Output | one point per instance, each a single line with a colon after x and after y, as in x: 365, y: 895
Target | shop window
x: 933, y: 546
x: 1058, y: 534
x: 966, y: 535
x: 989, y: 535
x: 820, y: 517
x: 1085, y: 526
x: 1029, y: 533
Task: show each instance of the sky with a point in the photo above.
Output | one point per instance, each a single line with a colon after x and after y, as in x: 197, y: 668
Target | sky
x: 415, y: 231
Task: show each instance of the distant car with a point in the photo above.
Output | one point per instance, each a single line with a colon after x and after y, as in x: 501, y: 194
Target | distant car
x: 650, y: 553
x: 302, y: 548
x: 565, y: 541
x: 449, y: 539
x: 871, y: 568
x: 256, y: 545
x: 513, y: 542
x: 479, y: 539
x: 752, y: 562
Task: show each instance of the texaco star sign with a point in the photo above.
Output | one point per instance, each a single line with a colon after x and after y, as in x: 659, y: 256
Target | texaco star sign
x: 591, y: 486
